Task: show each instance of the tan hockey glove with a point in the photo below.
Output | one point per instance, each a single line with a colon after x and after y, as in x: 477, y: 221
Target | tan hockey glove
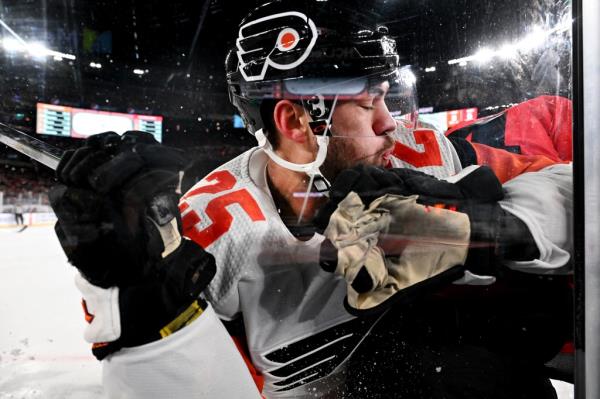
x: 399, y: 243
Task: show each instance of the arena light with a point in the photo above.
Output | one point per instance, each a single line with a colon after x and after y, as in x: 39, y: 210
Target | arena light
x: 461, y: 61
x: 11, y: 44
x: 95, y: 65
x: 534, y: 39
x: 430, y: 69
x: 508, y: 51
x: 484, y: 55
x: 139, y: 71
x: 40, y: 51
x: 35, y: 49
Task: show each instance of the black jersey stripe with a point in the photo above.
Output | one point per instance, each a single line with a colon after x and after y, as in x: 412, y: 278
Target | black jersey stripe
x: 319, y: 355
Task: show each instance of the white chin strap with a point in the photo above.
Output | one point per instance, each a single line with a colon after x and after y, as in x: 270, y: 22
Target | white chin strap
x: 311, y: 168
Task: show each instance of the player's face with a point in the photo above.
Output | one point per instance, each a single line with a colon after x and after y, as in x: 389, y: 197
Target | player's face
x: 360, y: 132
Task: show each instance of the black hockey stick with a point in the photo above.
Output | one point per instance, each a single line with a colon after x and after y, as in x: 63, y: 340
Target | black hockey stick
x: 44, y: 153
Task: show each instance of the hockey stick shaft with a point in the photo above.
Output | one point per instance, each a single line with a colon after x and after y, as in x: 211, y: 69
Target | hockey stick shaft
x: 35, y: 149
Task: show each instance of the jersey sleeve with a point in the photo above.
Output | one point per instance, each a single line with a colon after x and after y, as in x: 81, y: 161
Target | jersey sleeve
x: 507, y: 165
x: 540, y: 126
x: 543, y: 201
x: 223, y: 215
x: 198, y: 361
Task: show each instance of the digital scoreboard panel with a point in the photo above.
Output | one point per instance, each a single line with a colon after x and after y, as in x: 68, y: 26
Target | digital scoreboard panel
x: 58, y: 120
x: 445, y: 120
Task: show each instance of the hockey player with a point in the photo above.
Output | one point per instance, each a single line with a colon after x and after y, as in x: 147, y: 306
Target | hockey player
x: 321, y: 87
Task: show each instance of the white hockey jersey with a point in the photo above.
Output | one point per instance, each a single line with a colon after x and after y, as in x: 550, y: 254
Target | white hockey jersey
x: 290, y: 306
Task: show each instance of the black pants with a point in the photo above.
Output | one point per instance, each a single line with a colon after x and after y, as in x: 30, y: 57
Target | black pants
x: 467, y: 342
x: 19, y: 218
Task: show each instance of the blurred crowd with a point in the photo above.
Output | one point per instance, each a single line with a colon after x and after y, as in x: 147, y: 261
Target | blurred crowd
x: 25, y: 187
x: 27, y: 184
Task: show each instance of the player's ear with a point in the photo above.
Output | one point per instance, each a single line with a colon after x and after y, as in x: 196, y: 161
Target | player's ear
x: 291, y: 121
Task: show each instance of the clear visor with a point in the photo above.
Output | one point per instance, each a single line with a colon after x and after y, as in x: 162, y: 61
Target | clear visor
x: 402, y: 101
x: 393, y: 94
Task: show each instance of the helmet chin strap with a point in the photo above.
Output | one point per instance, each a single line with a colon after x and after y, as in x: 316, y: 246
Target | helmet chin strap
x: 311, y: 168
x: 317, y: 180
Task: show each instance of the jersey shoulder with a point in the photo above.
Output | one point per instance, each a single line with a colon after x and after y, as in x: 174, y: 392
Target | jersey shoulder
x: 426, y: 150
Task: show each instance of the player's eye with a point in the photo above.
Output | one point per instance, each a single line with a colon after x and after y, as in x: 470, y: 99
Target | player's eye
x: 369, y: 106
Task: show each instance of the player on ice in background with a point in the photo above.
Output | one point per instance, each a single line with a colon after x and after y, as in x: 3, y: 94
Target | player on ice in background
x: 323, y: 89
x: 18, y: 208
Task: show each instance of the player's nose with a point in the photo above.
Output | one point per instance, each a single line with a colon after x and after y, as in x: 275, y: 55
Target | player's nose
x: 383, y: 122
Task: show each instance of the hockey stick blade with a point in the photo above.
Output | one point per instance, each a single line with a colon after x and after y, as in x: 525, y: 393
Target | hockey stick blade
x: 35, y: 149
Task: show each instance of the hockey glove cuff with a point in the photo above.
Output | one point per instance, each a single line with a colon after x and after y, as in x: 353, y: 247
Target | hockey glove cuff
x: 154, y: 308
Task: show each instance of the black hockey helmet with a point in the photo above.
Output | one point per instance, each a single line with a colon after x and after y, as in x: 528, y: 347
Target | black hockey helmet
x: 310, y: 51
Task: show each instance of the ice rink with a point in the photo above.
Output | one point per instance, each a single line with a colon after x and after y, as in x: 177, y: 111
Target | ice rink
x: 42, y: 351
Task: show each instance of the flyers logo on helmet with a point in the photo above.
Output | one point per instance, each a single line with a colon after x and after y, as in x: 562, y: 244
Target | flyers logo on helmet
x: 281, y: 41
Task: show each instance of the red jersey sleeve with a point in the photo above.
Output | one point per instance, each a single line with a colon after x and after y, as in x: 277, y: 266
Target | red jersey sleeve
x: 508, y: 165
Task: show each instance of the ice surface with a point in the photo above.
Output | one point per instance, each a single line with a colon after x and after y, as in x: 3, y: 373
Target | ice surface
x: 42, y: 351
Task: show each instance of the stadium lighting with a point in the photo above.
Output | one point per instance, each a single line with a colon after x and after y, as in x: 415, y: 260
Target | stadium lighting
x: 533, y: 40
x: 484, y: 55
x: 507, y: 51
x: 95, y: 65
x: 35, y: 50
x: 430, y: 69
x: 39, y: 51
x: 461, y: 61
x: 12, y: 44
x: 139, y: 71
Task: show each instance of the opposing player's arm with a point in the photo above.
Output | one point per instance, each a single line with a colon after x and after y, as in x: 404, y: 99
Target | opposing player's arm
x: 539, y: 126
x: 397, y: 232
x: 543, y: 200
x: 506, y: 165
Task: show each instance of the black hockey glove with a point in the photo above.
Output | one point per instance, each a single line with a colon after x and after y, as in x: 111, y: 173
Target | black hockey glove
x: 494, y: 233
x: 120, y: 226
x: 371, y: 182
